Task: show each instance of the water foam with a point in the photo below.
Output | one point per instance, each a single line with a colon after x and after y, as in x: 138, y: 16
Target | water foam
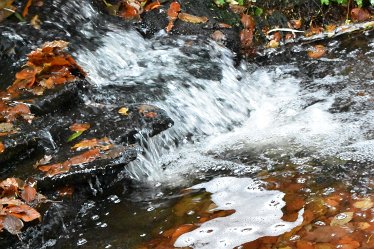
x: 257, y: 214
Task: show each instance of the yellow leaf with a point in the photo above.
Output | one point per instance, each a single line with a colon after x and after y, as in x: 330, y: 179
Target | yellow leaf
x: 123, y: 111
x: 364, y: 204
x: 341, y: 219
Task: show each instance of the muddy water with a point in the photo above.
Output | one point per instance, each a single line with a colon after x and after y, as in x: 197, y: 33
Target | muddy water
x: 272, y: 141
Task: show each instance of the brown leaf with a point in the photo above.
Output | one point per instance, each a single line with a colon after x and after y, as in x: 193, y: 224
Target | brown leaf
x: 2, y: 147
x: 296, y: 24
x: 248, y: 22
x: 28, y: 193
x: 55, y: 169
x: 360, y: 15
x: 79, y: 127
x: 12, y: 224
x: 24, y: 212
x: 192, y: 19
x: 150, y: 114
x: 317, y: 52
x: 10, y: 201
x: 246, y: 38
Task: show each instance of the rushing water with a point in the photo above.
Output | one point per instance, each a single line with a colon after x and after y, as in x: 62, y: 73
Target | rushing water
x: 236, y: 121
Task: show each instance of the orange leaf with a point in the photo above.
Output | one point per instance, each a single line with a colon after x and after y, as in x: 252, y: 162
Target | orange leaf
x: 24, y: 212
x: 192, y: 19
x: 26, y: 9
x: 85, y: 144
x: 129, y: 11
x: 153, y: 5
x: 2, y: 147
x: 59, y: 61
x: 173, y: 10
x: 317, y: 52
x: 79, y: 127
x: 182, y: 230
x: 28, y: 194
x: 55, y: 169
x: 248, y: 22
x: 86, y: 157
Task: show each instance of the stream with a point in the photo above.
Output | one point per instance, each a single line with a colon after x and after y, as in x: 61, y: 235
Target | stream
x: 237, y: 130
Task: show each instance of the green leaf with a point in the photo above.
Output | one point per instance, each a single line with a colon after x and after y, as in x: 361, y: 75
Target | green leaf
x: 372, y: 2
x: 326, y: 2
x: 359, y: 3
x: 258, y: 11
x: 219, y: 2
x: 74, y: 136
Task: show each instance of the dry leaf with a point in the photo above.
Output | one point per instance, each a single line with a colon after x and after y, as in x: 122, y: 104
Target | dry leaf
x: 12, y: 224
x: 24, y: 212
x: 360, y: 15
x: 364, y: 204
x: 341, y: 219
x: 248, y: 22
x: 79, y: 127
x: 28, y: 193
x: 192, y: 19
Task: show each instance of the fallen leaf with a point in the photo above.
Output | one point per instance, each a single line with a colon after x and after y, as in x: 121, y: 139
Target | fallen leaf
x: 317, y: 52
x: 46, y: 159
x: 248, y: 22
x: 360, y: 15
x: 246, y: 38
x: 192, y: 19
x: 35, y: 22
x: 26, y: 9
x: 218, y: 36
x: 152, y: 6
x: 2, y: 147
x: 172, y: 13
x: 79, y: 127
x: 24, y: 212
x: 123, y: 111
x: 12, y: 224
x: 150, y: 114
x: 224, y: 25
x: 74, y: 136
x: 55, y: 169
x: 341, y: 219
x: 296, y: 23
x: 28, y: 193
x: 10, y: 201
x: 364, y: 204
x: 85, y: 144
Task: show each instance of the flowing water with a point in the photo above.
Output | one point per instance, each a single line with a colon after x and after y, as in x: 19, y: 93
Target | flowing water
x: 234, y: 126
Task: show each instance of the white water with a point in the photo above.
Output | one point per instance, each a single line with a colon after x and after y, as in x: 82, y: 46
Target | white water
x: 261, y: 110
x: 257, y: 214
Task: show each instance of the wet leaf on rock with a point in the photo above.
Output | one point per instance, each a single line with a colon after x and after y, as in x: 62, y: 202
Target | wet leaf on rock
x: 79, y: 127
x: 317, y: 52
x: 74, y: 136
x: 2, y: 147
x: 364, y: 204
x: 172, y: 13
x: 24, y: 212
x: 341, y: 219
x: 192, y: 19
x: 12, y: 224
x: 152, y: 6
x: 123, y: 111
x: 248, y: 22
x: 28, y: 193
